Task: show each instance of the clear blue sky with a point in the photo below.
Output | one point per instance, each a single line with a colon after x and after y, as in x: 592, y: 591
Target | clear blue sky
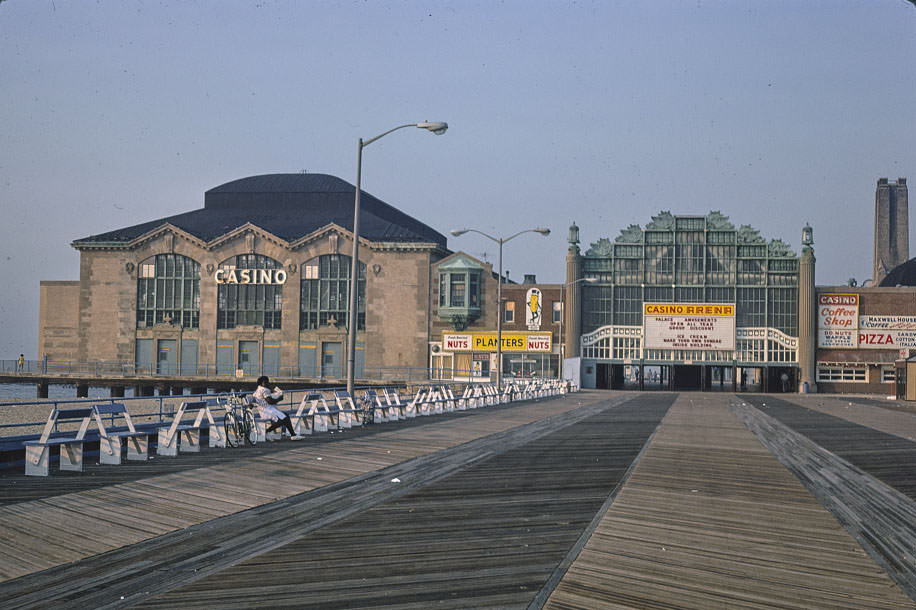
x: 604, y: 113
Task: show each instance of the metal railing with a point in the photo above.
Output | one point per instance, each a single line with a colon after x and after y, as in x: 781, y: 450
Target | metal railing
x: 106, y: 369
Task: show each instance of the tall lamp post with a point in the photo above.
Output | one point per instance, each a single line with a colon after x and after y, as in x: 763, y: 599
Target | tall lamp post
x: 499, y: 293
x: 589, y: 280
x: 437, y: 128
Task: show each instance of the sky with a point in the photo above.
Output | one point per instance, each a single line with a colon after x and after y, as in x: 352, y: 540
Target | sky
x: 775, y: 113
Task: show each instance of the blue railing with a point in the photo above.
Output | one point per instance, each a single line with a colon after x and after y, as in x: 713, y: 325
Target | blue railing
x: 102, y: 368
x: 161, y: 408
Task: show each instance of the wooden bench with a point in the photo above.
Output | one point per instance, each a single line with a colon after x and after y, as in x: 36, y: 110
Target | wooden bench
x: 433, y: 401
x: 313, y: 415
x: 184, y: 437
x: 491, y: 395
x: 217, y: 433
x: 375, y: 408
x: 447, y: 398
x: 110, y: 441
x: 38, y: 453
x: 347, y: 409
x: 394, y: 401
x: 417, y: 405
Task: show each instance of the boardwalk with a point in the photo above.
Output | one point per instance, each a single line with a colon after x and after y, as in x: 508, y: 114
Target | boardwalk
x: 598, y: 499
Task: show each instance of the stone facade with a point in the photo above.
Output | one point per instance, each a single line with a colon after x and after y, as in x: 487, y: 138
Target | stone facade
x: 58, y: 320
x: 96, y: 318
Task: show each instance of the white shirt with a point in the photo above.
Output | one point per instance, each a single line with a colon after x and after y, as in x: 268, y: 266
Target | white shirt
x: 267, y: 410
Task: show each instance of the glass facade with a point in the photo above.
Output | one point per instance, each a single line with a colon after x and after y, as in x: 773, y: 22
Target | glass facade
x: 325, y: 292
x: 249, y: 304
x: 691, y: 259
x: 168, y: 291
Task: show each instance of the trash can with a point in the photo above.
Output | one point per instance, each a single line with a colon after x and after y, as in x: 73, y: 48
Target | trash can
x: 804, y: 387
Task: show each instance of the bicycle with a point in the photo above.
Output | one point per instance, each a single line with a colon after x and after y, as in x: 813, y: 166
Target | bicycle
x: 239, y: 422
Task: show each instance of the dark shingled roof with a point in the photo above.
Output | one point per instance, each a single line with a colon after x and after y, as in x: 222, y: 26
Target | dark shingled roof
x: 903, y: 274
x: 289, y: 206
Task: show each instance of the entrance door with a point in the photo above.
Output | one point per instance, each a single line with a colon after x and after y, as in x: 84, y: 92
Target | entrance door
x: 189, y: 356
x: 144, y: 357
x: 360, y: 364
x: 224, y: 360
x: 603, y: 376
x: 687, y: 377
x: 271, y: 359
x: 617, y: 377
x: 332, y: 359
x: 308, y: 360
x: 167, y: 358
x: 249, y: 360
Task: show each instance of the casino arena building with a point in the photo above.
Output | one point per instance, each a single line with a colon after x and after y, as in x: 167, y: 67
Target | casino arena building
x: 688, y: 303
x: 256, y: 281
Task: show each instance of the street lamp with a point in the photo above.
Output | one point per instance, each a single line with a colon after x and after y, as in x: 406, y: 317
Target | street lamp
x: 437, y: 128
x: 589, y: 280
x: 499, y: 293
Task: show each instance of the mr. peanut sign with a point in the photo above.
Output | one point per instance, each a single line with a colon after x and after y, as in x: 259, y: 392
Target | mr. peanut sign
x: 533, y: 309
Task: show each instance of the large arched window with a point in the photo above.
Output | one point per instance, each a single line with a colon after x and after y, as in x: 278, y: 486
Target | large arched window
x: 325, y: 292
x: 168, y: 291
x: 250, y: 292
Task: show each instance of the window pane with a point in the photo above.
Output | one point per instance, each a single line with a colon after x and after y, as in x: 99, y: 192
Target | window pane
x: 326, y: 296
x: 457, y: 290
x: 167, y: 290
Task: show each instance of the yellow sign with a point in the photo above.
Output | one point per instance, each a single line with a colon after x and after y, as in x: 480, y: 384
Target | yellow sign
x: 689, y: 309
x: 486, y: 342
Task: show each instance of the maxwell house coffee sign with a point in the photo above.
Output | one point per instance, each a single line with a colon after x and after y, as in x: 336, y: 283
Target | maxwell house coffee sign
x: 837, y: 320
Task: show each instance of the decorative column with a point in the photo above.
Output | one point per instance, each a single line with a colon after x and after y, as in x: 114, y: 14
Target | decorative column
x: 807, y: 314
x: 572, y: 311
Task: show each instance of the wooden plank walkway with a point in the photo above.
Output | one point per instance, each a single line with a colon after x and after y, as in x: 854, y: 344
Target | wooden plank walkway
x: 62, y: 528
x: 887, y: 455
x: 881, y: 518
x: 710, y: 519
x: 487, y: 536
x: 533, y: 505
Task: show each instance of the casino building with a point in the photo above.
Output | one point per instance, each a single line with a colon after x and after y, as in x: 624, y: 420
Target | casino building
x: 686, y: 302
x: 256, y: 281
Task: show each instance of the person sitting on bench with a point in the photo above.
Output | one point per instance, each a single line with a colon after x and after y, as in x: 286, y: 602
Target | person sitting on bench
x: 265, y: 399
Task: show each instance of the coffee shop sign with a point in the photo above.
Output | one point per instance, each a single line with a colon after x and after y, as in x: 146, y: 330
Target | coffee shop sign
x: 250, y: 276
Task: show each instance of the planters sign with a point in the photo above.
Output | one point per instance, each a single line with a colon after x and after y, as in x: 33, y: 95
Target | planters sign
x: 250, y: 276
x: 486, y: 342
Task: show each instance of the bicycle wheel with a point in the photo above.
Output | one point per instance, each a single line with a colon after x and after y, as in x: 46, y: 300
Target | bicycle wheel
x: 251, y: 429
x: 231, y: 426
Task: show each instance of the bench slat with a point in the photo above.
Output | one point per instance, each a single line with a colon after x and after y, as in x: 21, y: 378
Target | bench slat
x: 68, y: 414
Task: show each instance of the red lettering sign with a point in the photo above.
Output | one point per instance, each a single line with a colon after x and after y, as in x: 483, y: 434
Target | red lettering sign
x: 876, y: 339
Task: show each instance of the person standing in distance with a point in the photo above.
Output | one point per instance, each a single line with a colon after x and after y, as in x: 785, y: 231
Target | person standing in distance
x: 266, y: 399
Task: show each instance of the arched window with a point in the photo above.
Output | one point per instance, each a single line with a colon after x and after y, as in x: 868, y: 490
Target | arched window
x: 168, y: 291
x: 325, y: 292
x: 250, y: 292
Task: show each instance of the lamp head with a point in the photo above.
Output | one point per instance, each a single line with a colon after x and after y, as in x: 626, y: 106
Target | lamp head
x: 590, y: 280
x: 542, y: 231
x: 458, y: 232
x: 436, y: 127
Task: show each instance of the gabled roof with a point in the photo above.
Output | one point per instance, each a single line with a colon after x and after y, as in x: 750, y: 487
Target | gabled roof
x: 459, y: 261
x: 288, y: 206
